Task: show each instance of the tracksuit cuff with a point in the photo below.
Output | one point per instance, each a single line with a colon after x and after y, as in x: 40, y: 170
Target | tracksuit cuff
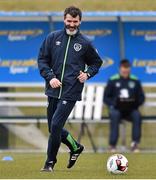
x: 88, y: 74
x: 50, y: 76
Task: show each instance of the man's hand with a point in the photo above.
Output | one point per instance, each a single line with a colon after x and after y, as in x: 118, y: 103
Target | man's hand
x: 55, y: 83
x: 82, y: 77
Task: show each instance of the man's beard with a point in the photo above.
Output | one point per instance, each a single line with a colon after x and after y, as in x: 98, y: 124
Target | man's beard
x: 71, y: 33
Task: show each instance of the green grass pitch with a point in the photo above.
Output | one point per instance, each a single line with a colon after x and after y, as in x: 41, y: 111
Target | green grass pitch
x: 89, y: 166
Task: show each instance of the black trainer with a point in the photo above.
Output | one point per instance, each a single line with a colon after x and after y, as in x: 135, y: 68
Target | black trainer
x: 74, y: 156
x: 48, y: 167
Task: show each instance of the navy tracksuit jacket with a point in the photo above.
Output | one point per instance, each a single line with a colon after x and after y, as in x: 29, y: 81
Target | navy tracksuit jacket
x: 124, y: 94
x: 63, y: 56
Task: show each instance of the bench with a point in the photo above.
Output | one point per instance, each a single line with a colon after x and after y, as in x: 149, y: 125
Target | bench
x: 89, y: 109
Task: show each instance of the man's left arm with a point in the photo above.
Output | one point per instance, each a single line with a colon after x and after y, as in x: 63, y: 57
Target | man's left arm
x: 92, y: 60
x: 140, y: 94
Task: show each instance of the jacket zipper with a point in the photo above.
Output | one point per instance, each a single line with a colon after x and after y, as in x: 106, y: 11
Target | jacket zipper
x: 64, y: 64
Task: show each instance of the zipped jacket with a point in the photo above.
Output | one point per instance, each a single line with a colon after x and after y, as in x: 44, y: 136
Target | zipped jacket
x: 63, y: 57
x: 124, y: 94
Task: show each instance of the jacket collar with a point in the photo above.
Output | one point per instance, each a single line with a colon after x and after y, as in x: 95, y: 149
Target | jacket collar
x: 124, y: 78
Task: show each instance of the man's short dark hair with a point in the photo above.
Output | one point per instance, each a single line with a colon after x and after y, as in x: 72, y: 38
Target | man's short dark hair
x: 73, y: 11
x: 125, y: 63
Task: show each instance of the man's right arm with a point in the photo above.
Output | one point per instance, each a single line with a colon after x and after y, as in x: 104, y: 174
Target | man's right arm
x: 44, y: 59
x: 108, y: 94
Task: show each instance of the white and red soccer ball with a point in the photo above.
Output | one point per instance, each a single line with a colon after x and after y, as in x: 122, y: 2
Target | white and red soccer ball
x: 117, y: 164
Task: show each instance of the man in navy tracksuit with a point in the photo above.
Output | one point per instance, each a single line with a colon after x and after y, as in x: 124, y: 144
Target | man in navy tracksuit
x: 66, y: 60
x: 124, y: 95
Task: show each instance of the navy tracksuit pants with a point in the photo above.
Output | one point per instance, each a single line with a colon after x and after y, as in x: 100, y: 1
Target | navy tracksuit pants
x: 115, y: 119
x: 57, y: 113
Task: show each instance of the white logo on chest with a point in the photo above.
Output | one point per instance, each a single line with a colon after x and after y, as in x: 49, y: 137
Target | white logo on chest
x: 58, y: 43
x: 77, y: 47
x: 131, y: 84
x: 64, y: 102
x: 117, y: 84
x: 124, y: 93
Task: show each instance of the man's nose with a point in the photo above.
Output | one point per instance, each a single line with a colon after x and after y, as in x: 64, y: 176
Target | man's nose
x: 72, y: 24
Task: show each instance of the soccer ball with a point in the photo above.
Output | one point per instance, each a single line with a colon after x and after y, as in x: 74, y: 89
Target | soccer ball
x: 117, y: 164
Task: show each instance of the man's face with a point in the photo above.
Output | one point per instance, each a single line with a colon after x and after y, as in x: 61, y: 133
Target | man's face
x: 71, y: 24
x: 125, y: 71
